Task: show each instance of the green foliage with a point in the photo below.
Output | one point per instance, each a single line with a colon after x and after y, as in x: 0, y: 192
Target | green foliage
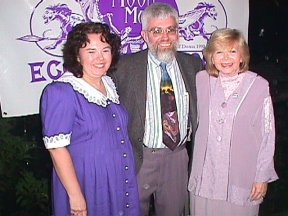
x: 23, y: 190
x: 29, y: 190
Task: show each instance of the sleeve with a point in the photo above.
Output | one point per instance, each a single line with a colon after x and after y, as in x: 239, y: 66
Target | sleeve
x: 57, y: 114
x: 265, y: 163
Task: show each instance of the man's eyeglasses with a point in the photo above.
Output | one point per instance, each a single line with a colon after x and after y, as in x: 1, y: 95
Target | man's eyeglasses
x: 158, y: 31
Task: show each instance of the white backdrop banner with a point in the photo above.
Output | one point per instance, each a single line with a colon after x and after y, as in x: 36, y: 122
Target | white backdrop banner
x: 32, y: 33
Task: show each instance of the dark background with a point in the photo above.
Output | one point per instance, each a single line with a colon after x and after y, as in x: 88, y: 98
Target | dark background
x: 25, y: 165
x: 268, y: 44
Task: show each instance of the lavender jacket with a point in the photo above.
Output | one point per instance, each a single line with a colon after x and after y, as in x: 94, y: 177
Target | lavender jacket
x: 249, y: 134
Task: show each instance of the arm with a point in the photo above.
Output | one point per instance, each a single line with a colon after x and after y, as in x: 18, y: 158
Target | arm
x: 58, y: 115
x: 65, y: 170
x: 265, y: 172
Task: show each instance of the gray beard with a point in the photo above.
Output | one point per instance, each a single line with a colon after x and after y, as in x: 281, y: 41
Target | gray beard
x: 165, y: 56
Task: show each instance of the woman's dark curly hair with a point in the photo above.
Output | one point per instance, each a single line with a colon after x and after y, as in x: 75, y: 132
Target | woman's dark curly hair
x: 78, y: 38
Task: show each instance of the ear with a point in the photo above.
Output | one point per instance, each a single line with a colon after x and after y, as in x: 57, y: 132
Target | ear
x: 144, y: 35
x: 212, y: 60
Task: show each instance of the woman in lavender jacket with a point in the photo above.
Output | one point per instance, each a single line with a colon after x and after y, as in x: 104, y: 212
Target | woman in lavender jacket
x: 234, y: 143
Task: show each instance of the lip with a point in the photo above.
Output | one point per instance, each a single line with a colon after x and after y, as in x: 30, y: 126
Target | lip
x: 99, y: 65
x: 226, y: 64
x: 165, y: 45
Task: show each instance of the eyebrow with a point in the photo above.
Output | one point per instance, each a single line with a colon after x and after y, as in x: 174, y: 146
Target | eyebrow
x: 93, y: 49
x: 159, y: 27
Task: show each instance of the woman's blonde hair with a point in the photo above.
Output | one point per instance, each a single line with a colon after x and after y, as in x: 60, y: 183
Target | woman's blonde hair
x: 226, y: 37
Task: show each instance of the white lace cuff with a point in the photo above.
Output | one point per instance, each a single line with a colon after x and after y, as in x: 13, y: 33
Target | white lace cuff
x: 57, y: 141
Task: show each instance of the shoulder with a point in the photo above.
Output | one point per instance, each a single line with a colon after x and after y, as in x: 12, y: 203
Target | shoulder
x: 138, y: 56
x: 202, y: 74
x: 58, y: 86
x: 188, y: 57
x: 202, y: 77
x: 57, y: 89
x: 57, y: 95
x: 129, y: 64
x: 191, y: 61
x: 260, y: 86
x: 258, y: 78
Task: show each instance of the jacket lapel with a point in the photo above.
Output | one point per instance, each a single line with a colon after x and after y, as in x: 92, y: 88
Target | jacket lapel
x: 139, y: 83
x: 192, y: 117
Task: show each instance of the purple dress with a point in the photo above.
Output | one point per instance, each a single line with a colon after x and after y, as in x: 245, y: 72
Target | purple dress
x: 94, y: 129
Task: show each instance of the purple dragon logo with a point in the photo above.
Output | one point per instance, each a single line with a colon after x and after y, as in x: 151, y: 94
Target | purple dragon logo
x: 57, y: 18
x: 192, y: 23
x: 65, y: 19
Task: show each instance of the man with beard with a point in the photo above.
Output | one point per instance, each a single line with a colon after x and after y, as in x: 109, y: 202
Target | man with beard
x: 162, y: 172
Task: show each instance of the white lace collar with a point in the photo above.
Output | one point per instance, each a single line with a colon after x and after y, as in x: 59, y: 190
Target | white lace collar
x: 89, y: 92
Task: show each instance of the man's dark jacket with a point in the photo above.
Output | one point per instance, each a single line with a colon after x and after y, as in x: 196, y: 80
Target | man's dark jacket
x: 131, y: 83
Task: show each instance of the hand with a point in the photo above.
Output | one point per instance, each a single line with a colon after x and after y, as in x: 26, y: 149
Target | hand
x: 78, y: 206
x: 259, y: 190
x: 79, y: 213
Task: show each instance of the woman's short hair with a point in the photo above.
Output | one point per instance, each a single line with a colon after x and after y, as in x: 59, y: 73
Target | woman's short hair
x: 78, y: 38
x: 226, y: 37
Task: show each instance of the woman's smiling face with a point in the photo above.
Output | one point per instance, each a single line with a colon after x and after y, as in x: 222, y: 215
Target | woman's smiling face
x: 95, y: 57
x: 227, y: 59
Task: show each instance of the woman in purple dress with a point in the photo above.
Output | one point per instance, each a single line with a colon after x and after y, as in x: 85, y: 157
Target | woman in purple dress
x: 85, y: 130
x: 234, y: 143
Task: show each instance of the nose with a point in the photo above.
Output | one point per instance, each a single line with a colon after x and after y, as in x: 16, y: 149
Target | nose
x: 164, y: 35
x: 99, y: 55
x: 225, y: 55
